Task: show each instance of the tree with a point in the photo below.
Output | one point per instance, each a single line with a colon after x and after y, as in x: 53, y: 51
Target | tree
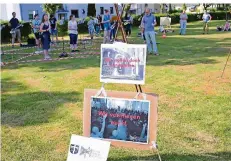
x: 127, y: 7
x: 227, y: 9
x: 170, y: 8
x: 184, y: 7
x: 206, y: 5
x: 50, y: 8
x: 91, y: 11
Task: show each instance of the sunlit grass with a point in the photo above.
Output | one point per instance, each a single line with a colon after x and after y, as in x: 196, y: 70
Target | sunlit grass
x: 42, y: 102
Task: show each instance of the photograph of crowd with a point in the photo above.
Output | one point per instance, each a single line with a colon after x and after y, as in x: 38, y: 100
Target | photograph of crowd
x: 123, y: 63
x: 120, y: 119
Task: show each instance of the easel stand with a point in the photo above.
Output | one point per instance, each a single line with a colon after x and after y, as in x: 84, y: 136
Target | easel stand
x: 120, y: 26
x: 63, y: 54
x: 226, y: 63
x: 153, y: 146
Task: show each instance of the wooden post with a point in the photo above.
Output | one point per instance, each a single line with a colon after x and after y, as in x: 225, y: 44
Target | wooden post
x: 120, y: 24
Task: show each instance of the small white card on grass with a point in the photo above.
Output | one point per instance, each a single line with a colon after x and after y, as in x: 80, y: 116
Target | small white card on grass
x: 87, y: 149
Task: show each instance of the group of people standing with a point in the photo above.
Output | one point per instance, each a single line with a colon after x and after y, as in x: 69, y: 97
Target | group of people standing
x: 42, y: 31
x: 109, y: 25
x: 47, y: 27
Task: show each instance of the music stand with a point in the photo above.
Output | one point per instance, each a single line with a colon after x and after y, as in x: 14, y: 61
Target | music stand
x: 63, y: 54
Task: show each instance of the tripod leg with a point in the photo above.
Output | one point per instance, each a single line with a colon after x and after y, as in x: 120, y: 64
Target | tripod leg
x: 226, y: 63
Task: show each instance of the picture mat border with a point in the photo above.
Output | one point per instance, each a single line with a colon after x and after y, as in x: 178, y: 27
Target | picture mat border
x: 153, y: 98
x: 123, y: 81
x: 123, y: 100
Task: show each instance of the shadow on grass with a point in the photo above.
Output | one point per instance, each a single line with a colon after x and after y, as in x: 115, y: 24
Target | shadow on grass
x: 222, y: 156
x: 7, y: 85
x: 25, y: 109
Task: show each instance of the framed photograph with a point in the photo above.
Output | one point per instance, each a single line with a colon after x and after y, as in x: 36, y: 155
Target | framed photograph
x: 96, y: 109
x: 120, y: 119
x: 123, y: 63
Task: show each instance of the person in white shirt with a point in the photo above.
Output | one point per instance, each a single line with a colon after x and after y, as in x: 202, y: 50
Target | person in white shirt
x: 206, y: 18
x: 73, y: 33
x: 183, y: 22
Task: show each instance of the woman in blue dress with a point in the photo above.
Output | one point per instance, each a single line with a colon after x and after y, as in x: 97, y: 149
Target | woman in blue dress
x: 45, y: 32
x: 128, y: 24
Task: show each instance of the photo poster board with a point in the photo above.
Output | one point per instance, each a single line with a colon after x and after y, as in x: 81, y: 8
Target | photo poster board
x: 123, y: 63
x: 87, y: 149
x: 132, y: 141
x: 165, y: 21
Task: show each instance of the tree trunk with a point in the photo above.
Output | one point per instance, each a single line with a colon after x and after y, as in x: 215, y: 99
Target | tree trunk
x: 169, y: 8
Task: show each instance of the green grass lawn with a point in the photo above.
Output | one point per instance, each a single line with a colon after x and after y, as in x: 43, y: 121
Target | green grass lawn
x: 42, y: 102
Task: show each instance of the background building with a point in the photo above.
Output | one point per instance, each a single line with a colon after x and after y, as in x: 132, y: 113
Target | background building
x: 26, y: 12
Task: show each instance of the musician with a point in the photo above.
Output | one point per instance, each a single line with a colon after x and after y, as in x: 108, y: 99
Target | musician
x: 128, y: 24
x: 91, y: 28
x: 13, y: 23
x: 54, y: 32
x: 113, y: 30
x: 45, y: 33
x: 106, y: 26
x: 100, y: 22
x: 36, y: 26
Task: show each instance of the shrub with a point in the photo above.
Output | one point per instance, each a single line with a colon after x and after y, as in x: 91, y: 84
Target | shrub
x: 63, y: 29
x: 175, y: 17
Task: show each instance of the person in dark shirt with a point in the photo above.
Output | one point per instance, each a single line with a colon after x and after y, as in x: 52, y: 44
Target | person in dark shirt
x: 128, y: 24
x: 54, y: 32
x: 113, y: 30
x: 98, y: 25
x: 13, y: 23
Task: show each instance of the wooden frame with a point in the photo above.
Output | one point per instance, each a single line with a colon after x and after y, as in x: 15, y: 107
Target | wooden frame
x: 153, y: 98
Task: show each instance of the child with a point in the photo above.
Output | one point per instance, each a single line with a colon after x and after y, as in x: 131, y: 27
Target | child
x: 162, y: 30
x: 227, y: 26
x: 91, y: 28
x: 219, y: 28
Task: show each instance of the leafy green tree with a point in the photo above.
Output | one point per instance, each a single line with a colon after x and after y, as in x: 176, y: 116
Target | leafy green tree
x: 50, y: 8
x: 184, y: 7
x: 206, y: 5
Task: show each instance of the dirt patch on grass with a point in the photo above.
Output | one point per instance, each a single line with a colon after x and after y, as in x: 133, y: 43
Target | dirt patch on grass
x: 61, y: 147
x: 54, y: 133
x: 185, y: 68
x: 206, y: 137
x: 172, y: 102
x: 75, y: 111
x: 212, y: 82
x: 33, y: 82
x: 82, y: 73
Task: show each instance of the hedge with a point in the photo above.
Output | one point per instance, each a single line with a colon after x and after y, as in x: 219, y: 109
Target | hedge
x: 26, y: 30
x: 82, y: 28
x: 175, y: 17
